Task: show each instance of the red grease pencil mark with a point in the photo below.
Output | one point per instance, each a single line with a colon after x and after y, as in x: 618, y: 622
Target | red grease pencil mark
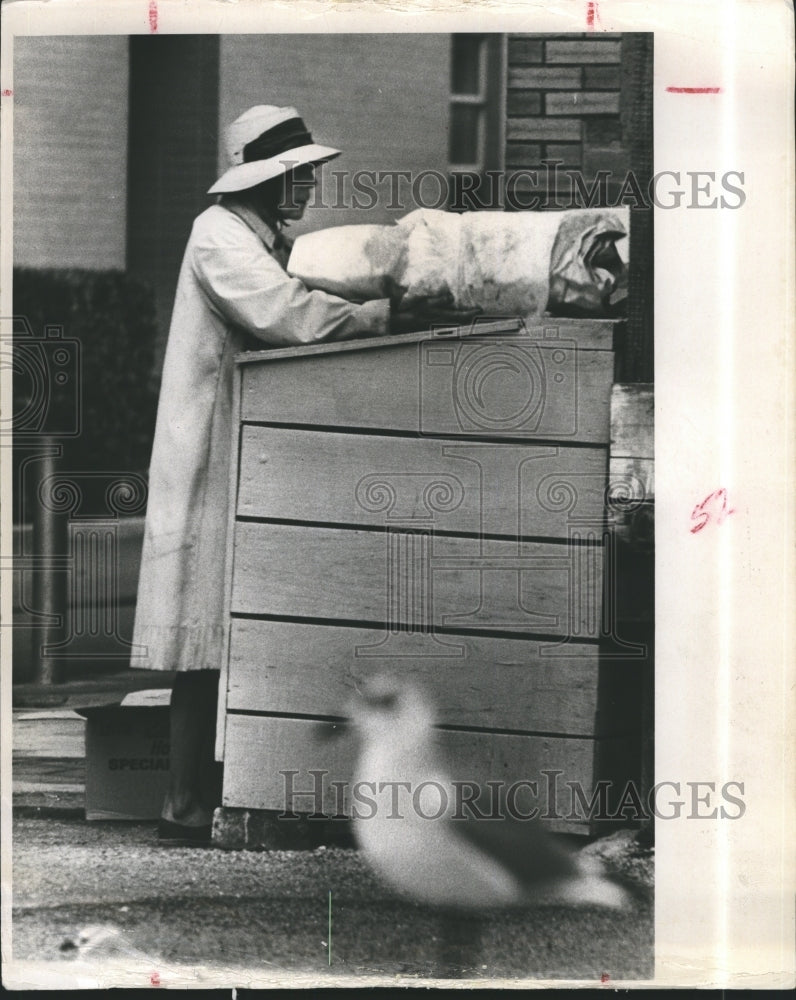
x: 592, y: 13
x: 605, y: 978
x: 709, y: 510
x: 153, y: 16
x: 154, y: 979
x: 693, y: 90
x: 8, y: 93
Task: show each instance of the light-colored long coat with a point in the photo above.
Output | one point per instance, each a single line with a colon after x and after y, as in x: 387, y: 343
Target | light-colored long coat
x: 232, y: 285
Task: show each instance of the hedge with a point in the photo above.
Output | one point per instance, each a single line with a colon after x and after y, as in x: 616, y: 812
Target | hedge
x: 106, y: 321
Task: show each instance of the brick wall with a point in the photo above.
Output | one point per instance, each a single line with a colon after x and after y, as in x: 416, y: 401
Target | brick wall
x: 586, y: 101
x: 70, y: 151
x: 381, y: 99
x: 563, y: 102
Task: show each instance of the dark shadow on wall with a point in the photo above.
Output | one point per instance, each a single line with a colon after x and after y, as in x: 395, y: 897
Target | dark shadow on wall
x: 635, y: 356
x: 172, y: 157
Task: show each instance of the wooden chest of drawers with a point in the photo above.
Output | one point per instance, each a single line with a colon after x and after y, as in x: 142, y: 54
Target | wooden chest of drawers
x: 433, y: 505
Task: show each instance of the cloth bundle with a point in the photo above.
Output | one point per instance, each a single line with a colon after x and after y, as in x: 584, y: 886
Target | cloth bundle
x: 519, y: 264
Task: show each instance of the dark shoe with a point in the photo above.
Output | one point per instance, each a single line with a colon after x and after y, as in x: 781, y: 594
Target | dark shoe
x: 177, y: 835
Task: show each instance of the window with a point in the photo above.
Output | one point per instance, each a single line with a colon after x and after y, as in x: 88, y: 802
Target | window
x: 468, y: 100
x: 475, y: 135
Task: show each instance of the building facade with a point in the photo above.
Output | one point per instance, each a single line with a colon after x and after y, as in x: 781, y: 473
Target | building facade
x: 118, y: 139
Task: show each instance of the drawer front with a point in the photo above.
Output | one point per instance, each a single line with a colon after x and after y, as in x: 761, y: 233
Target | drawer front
x: 467, y: 487
x: 268, y: 764
x: 486, y: 682
x: 544, y: 390
x: 377, y: 577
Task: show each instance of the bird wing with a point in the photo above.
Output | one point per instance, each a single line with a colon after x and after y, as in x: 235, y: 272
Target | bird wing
x: 523, y: 847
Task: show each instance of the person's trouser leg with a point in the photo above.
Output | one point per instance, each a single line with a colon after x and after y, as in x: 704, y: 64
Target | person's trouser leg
x: 195, y: 784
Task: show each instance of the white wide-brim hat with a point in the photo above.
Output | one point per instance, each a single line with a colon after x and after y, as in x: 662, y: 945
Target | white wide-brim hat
x: 263, y: 143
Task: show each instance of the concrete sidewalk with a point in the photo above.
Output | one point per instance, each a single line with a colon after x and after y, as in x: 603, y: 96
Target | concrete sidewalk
x: 104, y: 892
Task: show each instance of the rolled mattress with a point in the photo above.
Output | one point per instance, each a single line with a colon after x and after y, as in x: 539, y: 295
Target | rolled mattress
x: 570, y: 263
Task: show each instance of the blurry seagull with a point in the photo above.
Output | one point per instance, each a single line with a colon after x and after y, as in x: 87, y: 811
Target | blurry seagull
x: 458, y: 861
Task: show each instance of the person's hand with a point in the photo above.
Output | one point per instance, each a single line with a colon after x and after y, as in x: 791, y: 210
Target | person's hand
x: 436, y: 310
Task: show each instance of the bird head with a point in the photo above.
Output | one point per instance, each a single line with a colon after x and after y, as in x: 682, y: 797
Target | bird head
x: 387, y: 705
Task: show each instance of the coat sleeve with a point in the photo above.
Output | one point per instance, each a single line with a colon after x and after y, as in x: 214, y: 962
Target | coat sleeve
x: 249, y: 288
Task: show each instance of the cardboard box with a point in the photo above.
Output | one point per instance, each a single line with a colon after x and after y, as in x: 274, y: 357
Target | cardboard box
x: 127, y: 757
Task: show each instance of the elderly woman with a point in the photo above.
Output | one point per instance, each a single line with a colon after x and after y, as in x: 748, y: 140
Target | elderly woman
x: 233, y: 293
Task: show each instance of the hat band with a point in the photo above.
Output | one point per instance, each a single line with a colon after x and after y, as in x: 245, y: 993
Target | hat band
x: 287, y: 135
